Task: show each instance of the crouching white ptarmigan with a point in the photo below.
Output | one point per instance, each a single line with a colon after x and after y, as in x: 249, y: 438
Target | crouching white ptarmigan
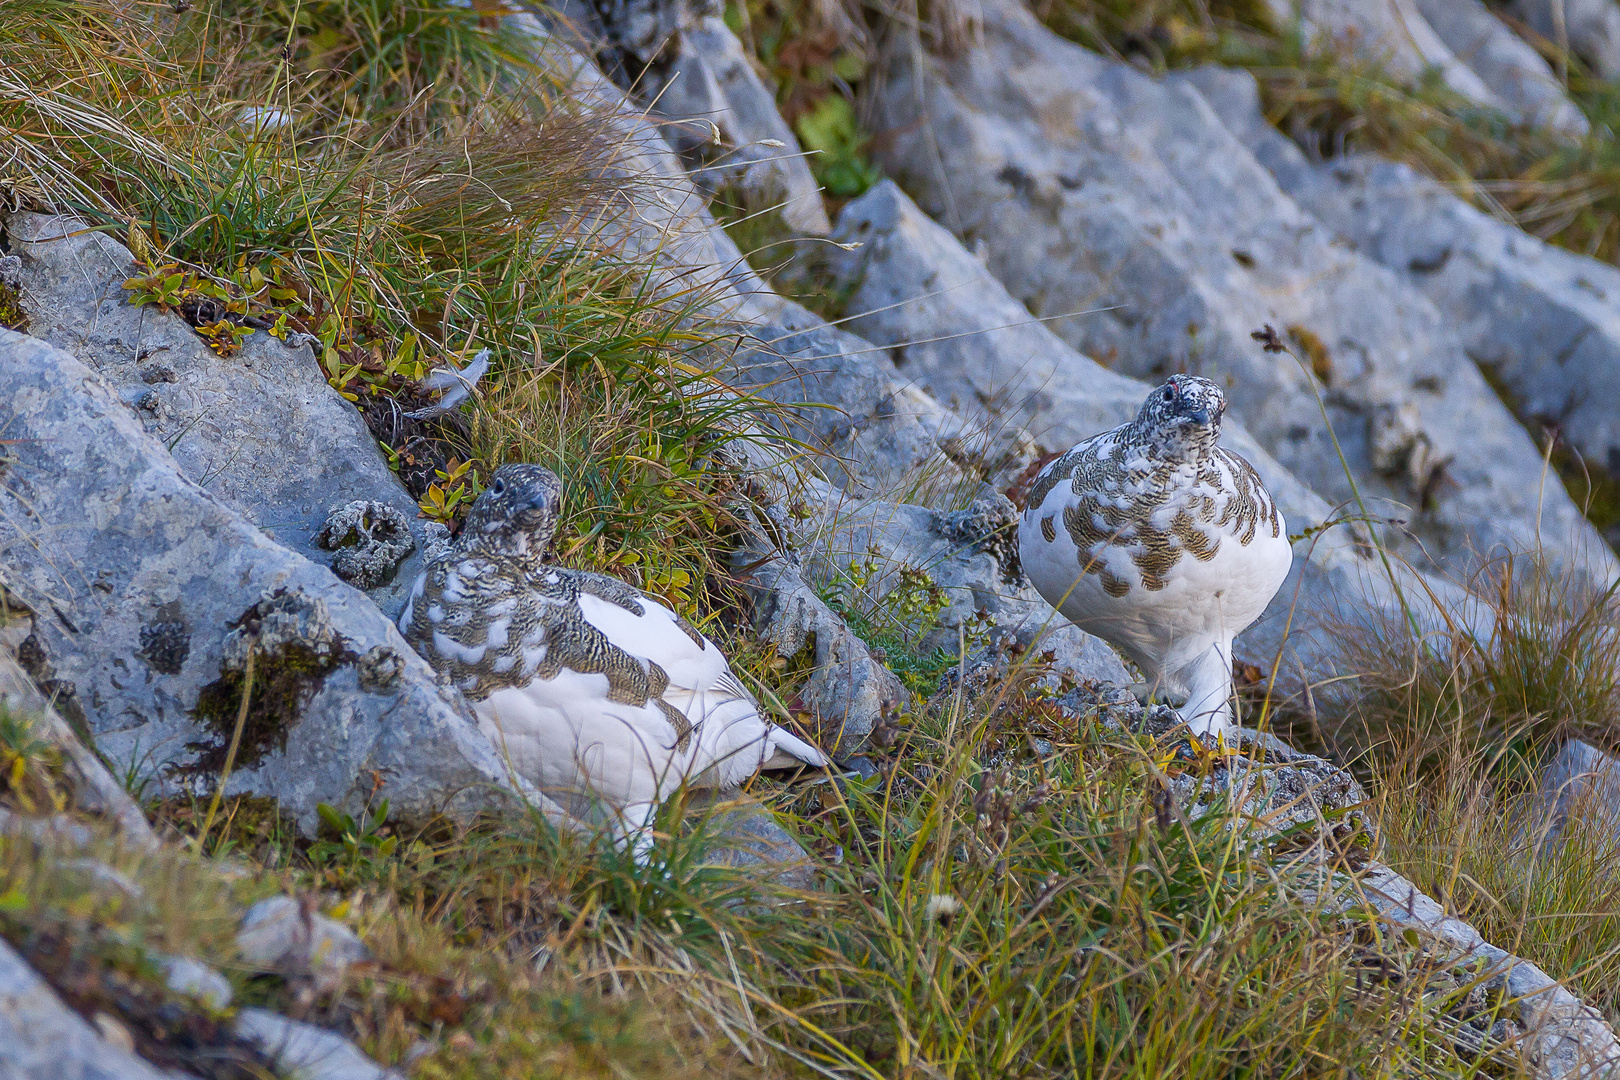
x: 587, y: 684
x: 1157, y: 540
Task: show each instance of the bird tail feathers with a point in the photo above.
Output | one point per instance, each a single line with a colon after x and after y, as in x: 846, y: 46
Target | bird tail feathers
x: 788, y: 750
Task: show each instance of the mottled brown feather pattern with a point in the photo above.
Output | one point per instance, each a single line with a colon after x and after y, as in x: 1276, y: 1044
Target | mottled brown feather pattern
x: 474, y: 594
x: 1116, y: 506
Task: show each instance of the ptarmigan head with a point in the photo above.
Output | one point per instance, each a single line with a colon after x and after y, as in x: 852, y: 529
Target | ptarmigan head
x: 516, y: 515
x: 1181, y: 420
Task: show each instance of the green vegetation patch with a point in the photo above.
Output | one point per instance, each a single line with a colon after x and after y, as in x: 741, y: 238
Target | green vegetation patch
x: 32, y: 778
x: 817, y: 55
x: 12, y: 315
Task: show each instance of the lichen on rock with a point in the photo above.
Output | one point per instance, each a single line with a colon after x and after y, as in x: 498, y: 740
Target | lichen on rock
x: 370, y: 540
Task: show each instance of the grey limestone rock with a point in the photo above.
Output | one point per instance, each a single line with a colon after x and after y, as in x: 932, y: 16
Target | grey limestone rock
x: 1579, y: 789
x: 196, y: 980
x: 952, y: 328
x: 148, y: 594
x: 748, y: 837
x: 286, y: 935
x: 369, y: 540
x: 43, y: 1039
x: 869, y: 548
x: 1120, y: 208
x: 683, y: 63
x: 879, y: 431
x: 303, y: 1051
x: 848, y: 691
x: 1563, y: 1037
x: 1545, y: 321
x: 260, y: 430
x: 56, y: 830
x: 708, y: 86
x: 1392, y: 34
x: 663, y: 218
x: 95, y: 789
x: 946, y: 323
x: 1589, y: 28
x: 1505, y: 62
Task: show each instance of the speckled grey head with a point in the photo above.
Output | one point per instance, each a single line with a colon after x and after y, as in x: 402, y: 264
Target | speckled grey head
x: 1182, y: 418
x: 516, y: 515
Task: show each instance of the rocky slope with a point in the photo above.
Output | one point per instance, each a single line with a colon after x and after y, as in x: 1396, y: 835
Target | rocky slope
x: 1061, y: 230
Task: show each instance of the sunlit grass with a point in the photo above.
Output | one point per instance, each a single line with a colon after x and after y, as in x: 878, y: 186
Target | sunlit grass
x: 982, y: 911
x: 1454, y: 734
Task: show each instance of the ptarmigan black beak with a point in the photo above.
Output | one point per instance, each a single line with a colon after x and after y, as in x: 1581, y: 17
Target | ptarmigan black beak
x: 1199, y: 416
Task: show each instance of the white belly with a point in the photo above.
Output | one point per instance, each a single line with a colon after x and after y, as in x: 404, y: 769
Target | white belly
x: 1161, y: 631
x: 565, y: 736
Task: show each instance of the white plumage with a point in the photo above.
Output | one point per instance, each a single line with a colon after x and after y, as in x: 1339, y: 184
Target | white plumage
x: 1159, y: 541
x: 588, y: 685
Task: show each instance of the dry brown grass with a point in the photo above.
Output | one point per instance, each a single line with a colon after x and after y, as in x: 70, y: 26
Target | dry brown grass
x: 1454, y: 730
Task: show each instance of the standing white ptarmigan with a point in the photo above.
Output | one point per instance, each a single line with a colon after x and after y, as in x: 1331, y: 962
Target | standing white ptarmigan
x: 587, y: 684
x: 1162, y: 543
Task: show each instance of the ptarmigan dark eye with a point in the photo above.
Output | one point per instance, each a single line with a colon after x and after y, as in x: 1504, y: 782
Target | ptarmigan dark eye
x: 1169, y: 394
x: 498, y: 487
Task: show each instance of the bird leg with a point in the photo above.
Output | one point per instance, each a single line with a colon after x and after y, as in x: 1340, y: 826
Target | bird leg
x: 1208, y: 710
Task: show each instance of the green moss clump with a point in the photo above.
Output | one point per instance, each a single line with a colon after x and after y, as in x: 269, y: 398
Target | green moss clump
x: 283, y: 684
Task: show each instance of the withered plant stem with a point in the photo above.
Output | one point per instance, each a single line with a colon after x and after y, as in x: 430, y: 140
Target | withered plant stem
x: 230, y: 751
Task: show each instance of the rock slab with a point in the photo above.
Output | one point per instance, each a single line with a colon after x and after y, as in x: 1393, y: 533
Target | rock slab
x: 1120, y: 208
x: 1563, y: 1037
x: 260, y: 430
x: 306, y: 1052
x: 149, y: 591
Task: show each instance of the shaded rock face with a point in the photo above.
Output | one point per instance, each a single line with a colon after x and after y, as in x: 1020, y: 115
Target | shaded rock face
x: 948, y: 325
x: 259, y: 430
x: 1092, y: 186
x: 149, y: 595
